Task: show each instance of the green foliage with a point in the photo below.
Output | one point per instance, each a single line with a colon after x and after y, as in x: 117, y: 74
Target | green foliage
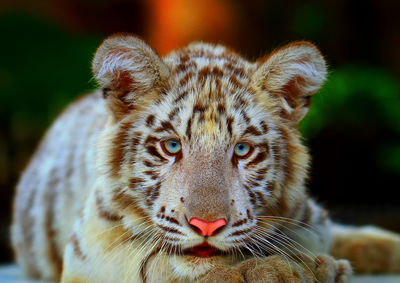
x: 42, y: 68
x: 309, y: 20
x: 357, y: 97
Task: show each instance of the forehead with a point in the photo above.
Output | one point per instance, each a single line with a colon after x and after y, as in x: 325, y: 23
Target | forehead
x: 208, y: 98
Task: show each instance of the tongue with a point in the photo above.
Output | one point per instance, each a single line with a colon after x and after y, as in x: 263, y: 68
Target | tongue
x: 203, y: 250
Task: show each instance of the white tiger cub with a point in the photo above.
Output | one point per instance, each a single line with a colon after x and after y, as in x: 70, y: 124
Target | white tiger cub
x: 187, y: 168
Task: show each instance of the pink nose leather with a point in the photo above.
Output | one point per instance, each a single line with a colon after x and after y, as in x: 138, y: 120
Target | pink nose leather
x: 207, y: 228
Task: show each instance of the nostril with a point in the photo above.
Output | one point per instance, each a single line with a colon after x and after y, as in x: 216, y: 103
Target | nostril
x: 196, y: 229
x: 207, y: 228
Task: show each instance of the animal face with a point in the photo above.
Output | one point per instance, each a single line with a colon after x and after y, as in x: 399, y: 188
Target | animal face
x: 201, y: 145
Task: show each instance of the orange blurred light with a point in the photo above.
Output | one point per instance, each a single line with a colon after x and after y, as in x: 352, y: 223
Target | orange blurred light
x: 173, y: 23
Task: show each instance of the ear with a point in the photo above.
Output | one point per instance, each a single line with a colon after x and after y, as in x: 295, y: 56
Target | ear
x: 126, y: 69
x: 292, y: 75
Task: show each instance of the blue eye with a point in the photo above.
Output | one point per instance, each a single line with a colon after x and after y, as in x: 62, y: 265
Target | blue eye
x: 242, y: 149
x: 172, y: 146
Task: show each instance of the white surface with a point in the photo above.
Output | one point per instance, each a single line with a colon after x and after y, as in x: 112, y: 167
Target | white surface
x: 12, y: 274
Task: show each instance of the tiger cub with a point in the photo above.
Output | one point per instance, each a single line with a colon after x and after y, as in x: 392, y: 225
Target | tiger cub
x: 187, y: 168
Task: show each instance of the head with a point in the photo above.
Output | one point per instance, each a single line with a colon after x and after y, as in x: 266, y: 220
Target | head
x: 202, y: 144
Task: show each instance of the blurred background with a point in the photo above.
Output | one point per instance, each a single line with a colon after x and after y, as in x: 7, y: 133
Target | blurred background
x: 353, y: 129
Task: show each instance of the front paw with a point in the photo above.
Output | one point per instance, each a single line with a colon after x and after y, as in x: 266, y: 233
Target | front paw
x: 222, y: 274
x: 281, y: 269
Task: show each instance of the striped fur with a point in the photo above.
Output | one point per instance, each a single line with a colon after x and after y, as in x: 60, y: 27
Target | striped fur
x: 102, y: 200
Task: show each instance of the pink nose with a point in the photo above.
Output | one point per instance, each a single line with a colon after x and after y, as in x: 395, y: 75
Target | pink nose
x: 207, y: 228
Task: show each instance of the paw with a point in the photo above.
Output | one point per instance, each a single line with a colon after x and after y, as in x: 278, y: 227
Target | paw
x: 278, y: 268
x: 272, y: 269
x: 222, y: 274
x: 327, y: 269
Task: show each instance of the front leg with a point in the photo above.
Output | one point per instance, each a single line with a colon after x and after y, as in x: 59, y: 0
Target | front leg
x: 280, y: 269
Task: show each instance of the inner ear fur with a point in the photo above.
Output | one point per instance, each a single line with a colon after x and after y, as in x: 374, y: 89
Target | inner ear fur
x: 126, y: 69
x: 291, y: 75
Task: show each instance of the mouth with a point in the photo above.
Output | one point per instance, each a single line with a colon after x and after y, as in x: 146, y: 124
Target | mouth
x: 203, y: 250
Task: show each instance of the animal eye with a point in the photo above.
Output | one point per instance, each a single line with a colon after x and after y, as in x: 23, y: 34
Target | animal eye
x: 171, y: 147
x: 242, y: 149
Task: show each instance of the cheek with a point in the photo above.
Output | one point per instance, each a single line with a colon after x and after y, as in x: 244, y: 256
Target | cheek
x: 172, y: 194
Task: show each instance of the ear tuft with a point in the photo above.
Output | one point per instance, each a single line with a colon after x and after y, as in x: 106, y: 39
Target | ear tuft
x: 126, y: 68
x: 292, y: 75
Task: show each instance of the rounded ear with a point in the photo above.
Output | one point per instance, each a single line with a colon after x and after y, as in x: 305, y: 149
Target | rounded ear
x: 291, y: 75
x: 126, y: 69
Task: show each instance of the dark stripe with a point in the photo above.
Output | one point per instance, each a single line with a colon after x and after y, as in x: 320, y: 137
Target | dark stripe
x: 239, y: 222
x: 240, y: 232
x: 260, y: 177
x: 126, y: 201
x: 264, y: 127
x: 133, y: 182
x: 229, y: 122
x: 178, y: 157
x: 252, y: 196
x: 249, y: 215
x: 172, y: 114
x: 216, y: 71
x: 119, y: 147
x: 260, y: 197
x: 151, y: 140
x: 181, y: 96
x: 199, y: 108
x: 173, y: 220
x: 106, y: 92
x: 239, y: 72
x: 55, y: 257
x: 185, y: 79
x: 150, y: 172
x: 103, y: 212
x: 254, y: 184
x: 134, y: 143
x: 171, y: 239
x: 182, y: 67
x: 262, y: 171
x: 149, y: 164
x: 261, y: 156
x: 253, y: 131
x: 203, y: 73
x: 150, y: 120
x: 155, y: 192
x: 77, y: 248
x: 270, y: 187
x: 277, y: 154
x: 221, y: 109
x: 189, y: 129
x: 235, y: 82
x: 170, y: 230
x: 245, y: 117
x: 152, y: 193
x: 153, y: 151
x: 166, y: 126
x: 234, y: 161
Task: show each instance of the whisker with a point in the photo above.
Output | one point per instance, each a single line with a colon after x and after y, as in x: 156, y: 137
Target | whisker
x: 308, y: 227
